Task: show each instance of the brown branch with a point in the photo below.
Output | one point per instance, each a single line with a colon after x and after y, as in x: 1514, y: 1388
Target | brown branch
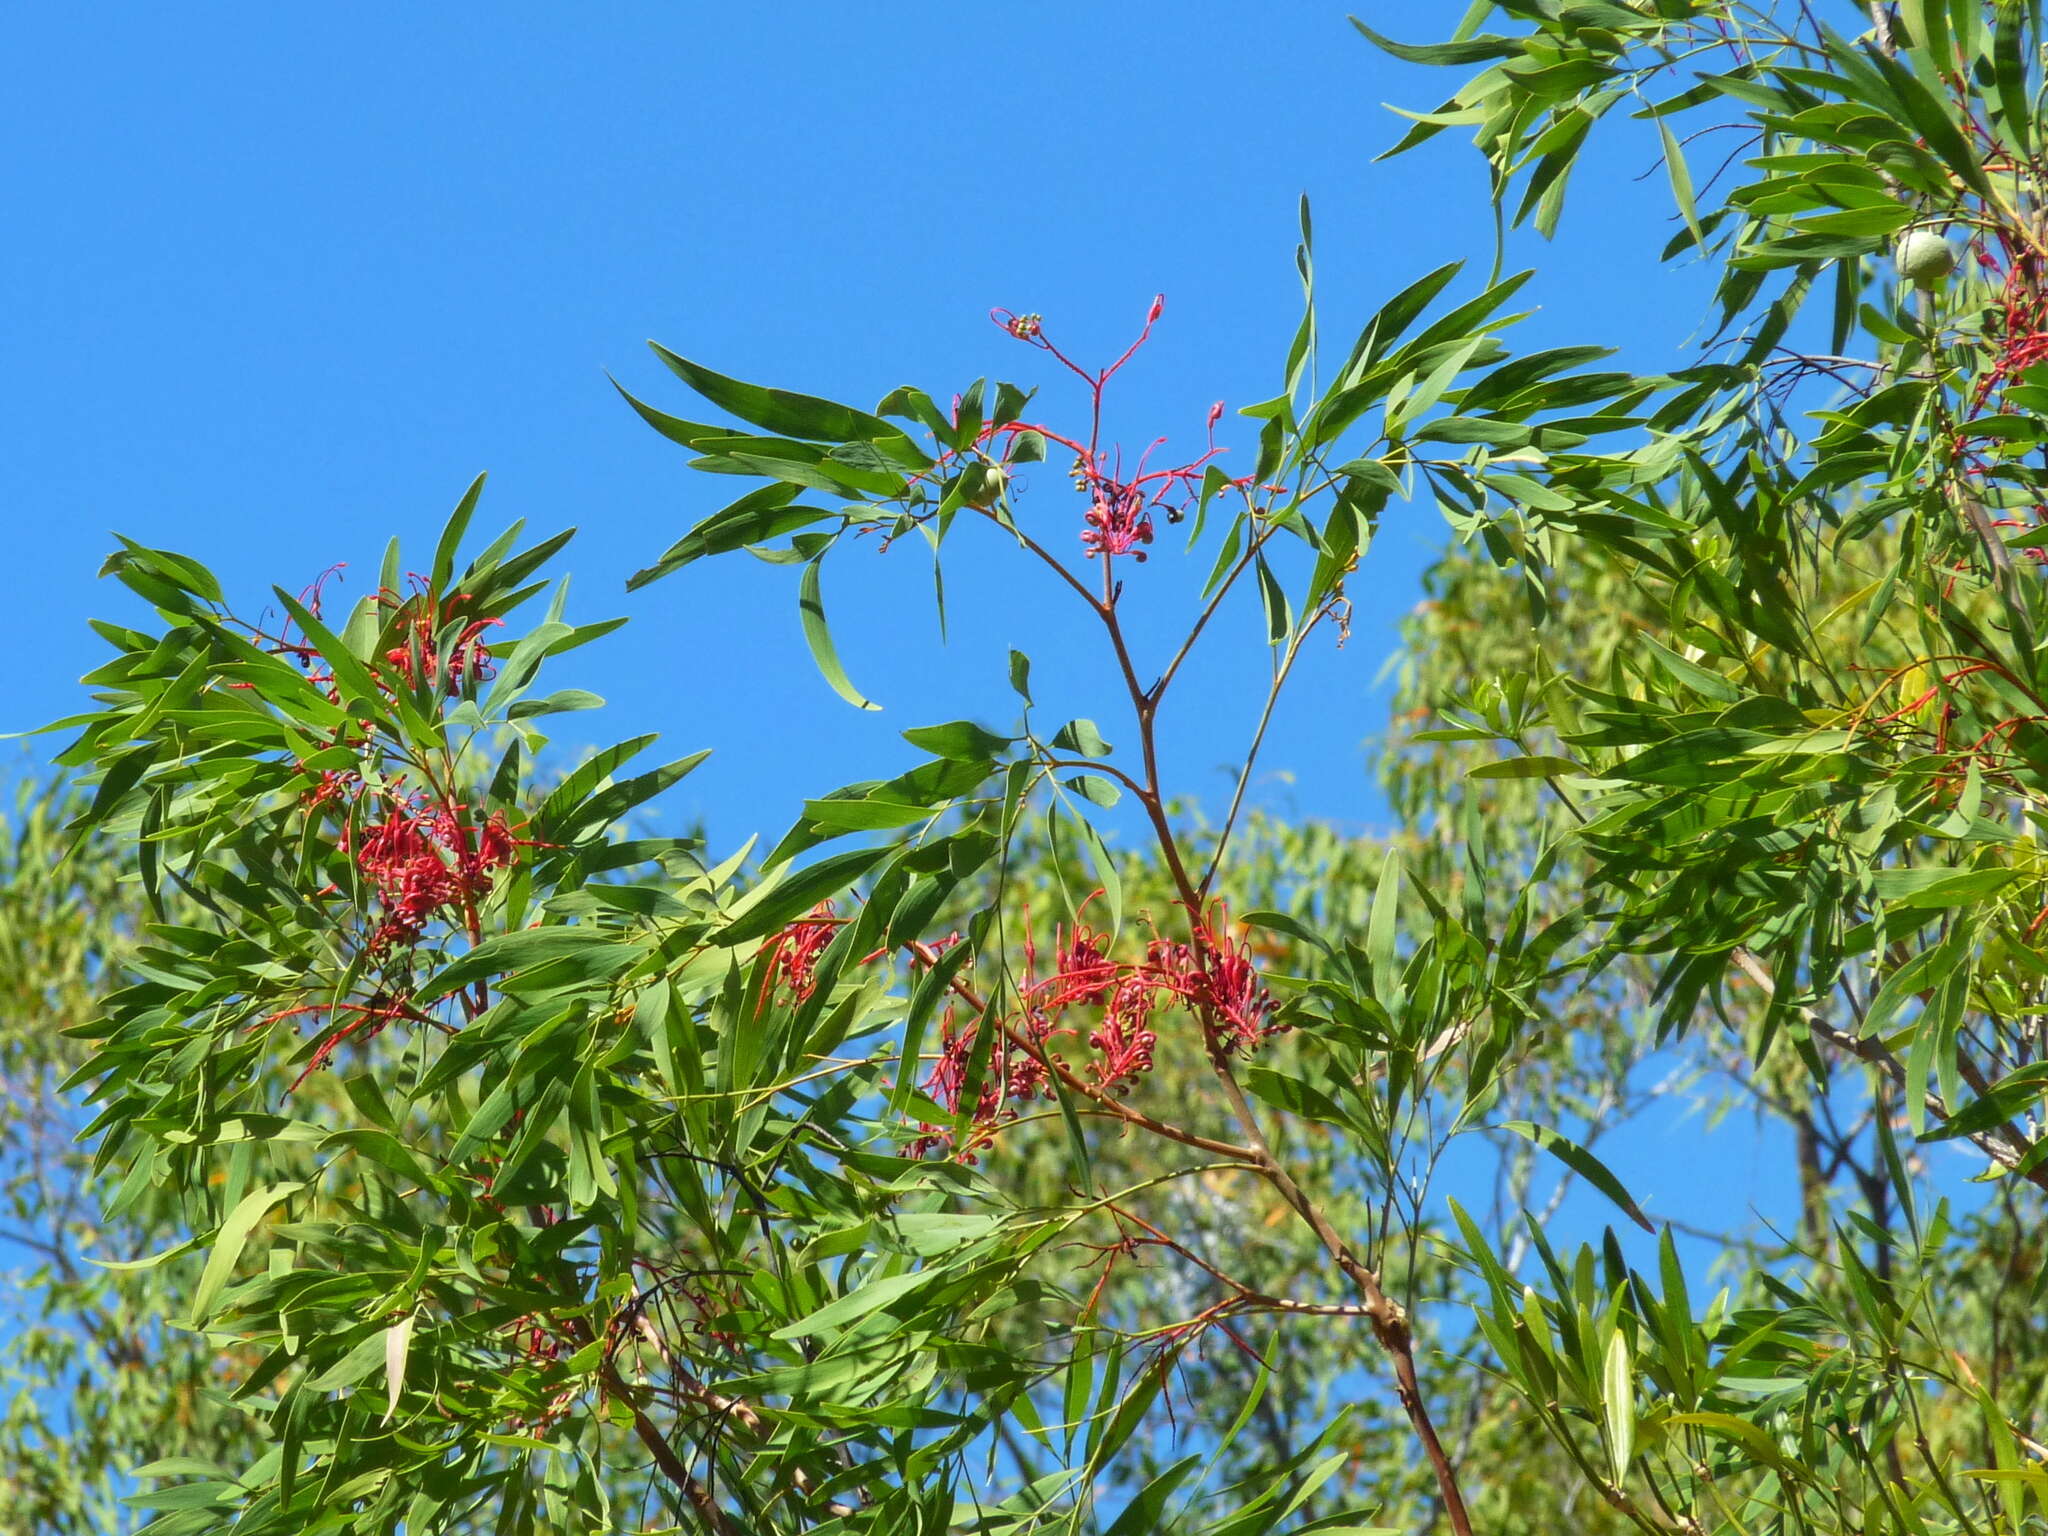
x: 673, y: 1467
x: 1388, y: 1318
x: 2003, y: 1144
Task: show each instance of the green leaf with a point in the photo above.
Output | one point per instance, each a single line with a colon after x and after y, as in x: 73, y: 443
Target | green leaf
x: 397, y: 1349
x: 775, y: 906
x: 450, y: 543
x: 958, y: 740
x: 1020, y: 676
x: 1143, y: 1515
x: 755, y: 518
x: 1535, y: 767
x: 1681, y: 181
x: 1279, y: 616
x: 1081, y: 736
x: 508, y: 953
x: 1584, y: 1164
x: 811, y: 604
x: 855, y: 1305
x: 793, y: 415
x: 2017, y: 1093
x: 229, y: 1242
x: 2008, y: 56
x: 1619, y: 1394
x: 1471, y: 50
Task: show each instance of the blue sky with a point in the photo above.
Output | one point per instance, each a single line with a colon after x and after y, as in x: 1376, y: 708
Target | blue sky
x: 281, y: 280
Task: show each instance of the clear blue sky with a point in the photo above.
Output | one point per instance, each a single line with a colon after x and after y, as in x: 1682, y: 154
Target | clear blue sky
x: 280, y: 280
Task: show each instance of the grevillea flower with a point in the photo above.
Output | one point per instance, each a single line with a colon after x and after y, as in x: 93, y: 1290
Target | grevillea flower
x: 1210, y: 975
x: 948, y: 1083
x: 1123, y: 1041
x: 1118, y: 521
x: 422, y: 860
x: 793, y: 953
x: 1083, y: 972
x: 1119, y: 516
x: 418, y: 657
x: 1218, y: 980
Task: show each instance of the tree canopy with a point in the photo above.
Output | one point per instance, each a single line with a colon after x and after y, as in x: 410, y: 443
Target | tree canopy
x: 1015, y: 1145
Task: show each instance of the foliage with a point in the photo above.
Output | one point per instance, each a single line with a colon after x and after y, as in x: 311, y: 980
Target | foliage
x: 96, y: 1384
x: 955, y: 1169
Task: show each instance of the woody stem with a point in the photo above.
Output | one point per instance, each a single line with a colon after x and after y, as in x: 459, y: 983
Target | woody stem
x: 1388, y: 1319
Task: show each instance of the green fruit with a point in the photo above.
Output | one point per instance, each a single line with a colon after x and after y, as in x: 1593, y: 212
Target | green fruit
x: 1924, y: 257
x: 981, y: 485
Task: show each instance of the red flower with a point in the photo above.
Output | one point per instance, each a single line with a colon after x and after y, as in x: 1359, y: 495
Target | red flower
x: 1118, y: 521
x: 418, y: 656
x: 1123, y: 1040
x: 422, y: 862
x: 793, y: 953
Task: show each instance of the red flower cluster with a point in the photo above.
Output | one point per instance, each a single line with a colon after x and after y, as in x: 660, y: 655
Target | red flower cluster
x: 793, y: 953
x: 1218, y: 980
x: 948, y: 1082
x: 2021, y: 343
x: 1118, y: 520
x: 422, y: 617
x: 1208, y: 975
x: 1119, y: 517
x: 418, y: 656
x: 424, y: 859
x: 424, y: 856
x: 2023, y: 308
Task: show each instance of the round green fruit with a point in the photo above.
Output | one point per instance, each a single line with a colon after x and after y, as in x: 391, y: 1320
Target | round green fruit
x: 981, y: 485
x: 1923, y: 257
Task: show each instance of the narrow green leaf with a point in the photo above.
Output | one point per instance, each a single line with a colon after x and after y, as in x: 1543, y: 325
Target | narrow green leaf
x: 1619, y: 1393
x: 1584, y: 1164
x: 1681, y: 182
x: 856, y: 1305
x: 229, y: 1242
x: 812, y: 606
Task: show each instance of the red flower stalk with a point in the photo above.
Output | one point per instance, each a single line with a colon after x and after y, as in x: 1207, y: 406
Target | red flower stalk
x: 367, y: 1021
x: 1119, y: 516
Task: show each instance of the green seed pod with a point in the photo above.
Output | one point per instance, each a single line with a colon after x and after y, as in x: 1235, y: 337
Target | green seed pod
x: 981, y: 485
x: 1924, y: 257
